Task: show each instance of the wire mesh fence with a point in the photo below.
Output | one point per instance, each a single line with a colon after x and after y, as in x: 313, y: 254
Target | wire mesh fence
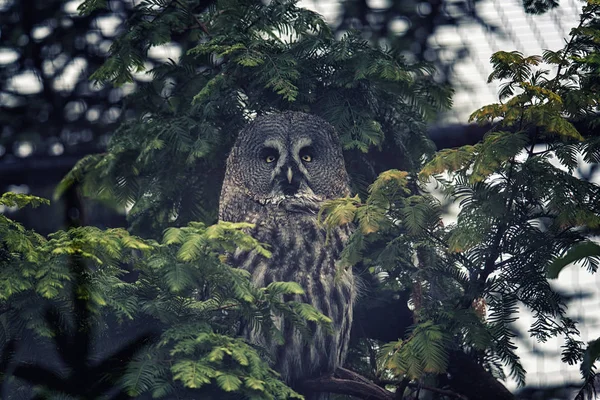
x: 462, y: 52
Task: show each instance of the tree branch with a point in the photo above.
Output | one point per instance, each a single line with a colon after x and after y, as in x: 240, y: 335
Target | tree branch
x: 200, y: 24
x: 347, y: 382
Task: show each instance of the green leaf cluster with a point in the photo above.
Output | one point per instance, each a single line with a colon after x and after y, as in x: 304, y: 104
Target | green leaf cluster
x: 183, y: 290
x: 423, y: 352
x: 240, y: 59
x: 524, y: 215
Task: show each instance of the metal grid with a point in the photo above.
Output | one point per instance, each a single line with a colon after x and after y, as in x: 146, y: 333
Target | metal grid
x: 529, y: 34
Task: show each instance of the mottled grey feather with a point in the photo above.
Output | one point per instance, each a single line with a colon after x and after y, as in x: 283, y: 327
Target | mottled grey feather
x: 281, y: 169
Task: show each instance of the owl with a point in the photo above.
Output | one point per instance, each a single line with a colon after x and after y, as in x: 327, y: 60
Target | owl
x: 279, y: 172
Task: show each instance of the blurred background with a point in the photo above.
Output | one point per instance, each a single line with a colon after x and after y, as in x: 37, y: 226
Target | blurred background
x: 51, y: 115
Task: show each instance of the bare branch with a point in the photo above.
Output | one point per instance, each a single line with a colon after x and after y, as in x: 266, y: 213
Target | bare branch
x: 349, y: 383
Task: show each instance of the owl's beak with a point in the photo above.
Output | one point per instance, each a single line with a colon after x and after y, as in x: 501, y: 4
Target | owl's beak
x: 289, y: 180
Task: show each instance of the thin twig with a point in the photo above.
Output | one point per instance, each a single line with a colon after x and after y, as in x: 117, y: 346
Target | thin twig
x: 201, y: 24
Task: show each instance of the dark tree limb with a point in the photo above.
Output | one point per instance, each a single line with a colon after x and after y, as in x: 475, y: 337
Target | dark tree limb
x: 351, y: 375
x: 475, y: 383
x: 350, y: 383
x: 347, y: 382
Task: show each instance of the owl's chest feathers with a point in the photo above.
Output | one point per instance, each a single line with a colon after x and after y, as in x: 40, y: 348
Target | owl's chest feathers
x: 303, y: 253
x: 300, y: 249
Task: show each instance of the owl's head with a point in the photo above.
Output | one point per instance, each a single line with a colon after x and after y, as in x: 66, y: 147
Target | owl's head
x: 287, y: 158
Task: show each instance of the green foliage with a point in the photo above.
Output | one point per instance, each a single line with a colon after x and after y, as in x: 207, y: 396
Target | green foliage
x: 183, y: 288
x: 523, y: 217
x: 228, y: 363
x: 423, y: 352
x: 591, y: 355
x: 239, y: 58
x: 197, y: 240
x: 576, y: 253
x: 88, y: 7
x: 243, y: 58
x: 21, y: 200
x: 539, y: 6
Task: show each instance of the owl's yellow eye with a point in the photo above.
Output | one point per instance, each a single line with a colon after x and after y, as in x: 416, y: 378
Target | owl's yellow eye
x: 270, y: 159
x: 306, y: 158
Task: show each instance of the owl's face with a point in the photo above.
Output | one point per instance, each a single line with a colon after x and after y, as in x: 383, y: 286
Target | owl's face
x: 288, y: 157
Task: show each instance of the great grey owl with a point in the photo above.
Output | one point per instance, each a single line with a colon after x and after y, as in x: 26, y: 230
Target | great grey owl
x: 280, y: 170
